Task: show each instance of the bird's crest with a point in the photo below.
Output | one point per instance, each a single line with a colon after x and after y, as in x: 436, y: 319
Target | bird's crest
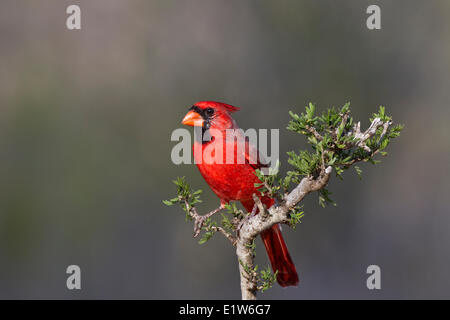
x: 217, y: 105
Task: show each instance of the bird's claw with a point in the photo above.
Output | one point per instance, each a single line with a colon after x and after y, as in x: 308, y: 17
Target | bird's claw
x: 200, y: 220
x: 198, y: 224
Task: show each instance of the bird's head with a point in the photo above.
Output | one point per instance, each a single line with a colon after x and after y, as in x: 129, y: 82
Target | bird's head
x: 210, y: 114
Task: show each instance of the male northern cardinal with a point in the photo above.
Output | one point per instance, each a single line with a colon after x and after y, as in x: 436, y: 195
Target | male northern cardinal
x: 237, y: 181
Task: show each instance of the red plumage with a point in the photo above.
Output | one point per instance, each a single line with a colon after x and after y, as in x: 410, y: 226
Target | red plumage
x: 236, y: 182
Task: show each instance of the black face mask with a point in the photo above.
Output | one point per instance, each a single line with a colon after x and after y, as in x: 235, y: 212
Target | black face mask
x: 206, y: 115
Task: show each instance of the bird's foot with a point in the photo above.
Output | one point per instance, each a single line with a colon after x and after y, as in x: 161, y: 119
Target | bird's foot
x: 200, y: 219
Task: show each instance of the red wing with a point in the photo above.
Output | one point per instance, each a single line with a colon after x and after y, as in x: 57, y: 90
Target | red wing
x: 250, y: 150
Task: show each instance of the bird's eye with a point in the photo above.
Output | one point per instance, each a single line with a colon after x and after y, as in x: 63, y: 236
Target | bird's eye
x: 209, y: 111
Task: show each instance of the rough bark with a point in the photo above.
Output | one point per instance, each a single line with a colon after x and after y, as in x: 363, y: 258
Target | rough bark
x: 266, y: 218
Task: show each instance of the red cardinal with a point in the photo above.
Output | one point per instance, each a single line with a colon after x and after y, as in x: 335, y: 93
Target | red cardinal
x: 237, y: 181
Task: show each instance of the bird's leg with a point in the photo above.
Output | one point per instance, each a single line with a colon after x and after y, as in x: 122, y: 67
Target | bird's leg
x: 199, y: 220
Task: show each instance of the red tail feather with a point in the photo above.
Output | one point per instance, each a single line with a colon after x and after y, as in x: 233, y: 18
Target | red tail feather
x: 279, y: 256
x: 277, y: 251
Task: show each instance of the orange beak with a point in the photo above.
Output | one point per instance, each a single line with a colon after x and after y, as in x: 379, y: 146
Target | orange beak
x: 192, y: 118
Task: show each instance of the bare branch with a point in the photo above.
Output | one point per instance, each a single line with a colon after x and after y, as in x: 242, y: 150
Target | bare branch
x: 260, y: 222
x: 363, y: 137
x: 369, y: 133
x: 225, y: 234
x: 385, y: 129
x: 259, y: 204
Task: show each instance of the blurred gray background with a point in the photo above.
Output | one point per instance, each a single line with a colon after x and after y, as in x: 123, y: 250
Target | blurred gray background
x: 85, y: 124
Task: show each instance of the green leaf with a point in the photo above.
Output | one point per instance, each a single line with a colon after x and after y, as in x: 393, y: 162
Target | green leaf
x: 358, y: 172
x: 168, y: 202
x: 295, y: 217
x: 324, y: 198
x: 206, y: 236
x: 310, y: 110
x: 345, y: 108
x: 226, y: 223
